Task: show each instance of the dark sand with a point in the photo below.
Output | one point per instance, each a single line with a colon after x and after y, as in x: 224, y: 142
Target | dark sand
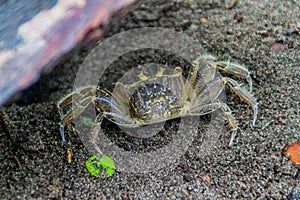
x: 33, y: 157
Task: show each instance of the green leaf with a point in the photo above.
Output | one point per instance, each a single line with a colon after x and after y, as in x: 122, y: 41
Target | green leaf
x: 105, y: 165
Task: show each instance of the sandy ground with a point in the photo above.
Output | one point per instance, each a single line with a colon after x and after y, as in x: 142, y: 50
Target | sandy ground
x: 33, y: 157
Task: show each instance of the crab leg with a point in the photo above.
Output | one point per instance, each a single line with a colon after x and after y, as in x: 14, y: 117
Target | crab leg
x: 205, y: 74
x: 116, y: 118
x: 243, y: 94
x: 231, y: 121
x: 235, y: 69
x: 208, y: 108
x: 69, y: 116
x: 94, y: 134
x: 67, y: 101
x: 209, y: 93
x: 76, y: 95
x: 105, y: 101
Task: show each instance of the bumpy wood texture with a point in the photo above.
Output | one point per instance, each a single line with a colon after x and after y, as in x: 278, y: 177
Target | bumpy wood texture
x: 34, y: 34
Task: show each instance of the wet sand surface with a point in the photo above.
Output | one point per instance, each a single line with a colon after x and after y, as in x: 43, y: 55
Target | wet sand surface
x: 261, y: 35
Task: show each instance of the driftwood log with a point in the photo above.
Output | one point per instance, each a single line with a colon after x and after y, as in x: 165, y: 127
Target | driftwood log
x: 35, y: 34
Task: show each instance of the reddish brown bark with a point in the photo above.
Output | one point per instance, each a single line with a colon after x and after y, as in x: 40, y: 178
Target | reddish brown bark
x: 47, y: 36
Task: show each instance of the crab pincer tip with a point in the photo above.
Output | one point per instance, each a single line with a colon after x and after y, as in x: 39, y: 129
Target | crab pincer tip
x: 255, y: 111
x: 234, y: 131
x: 62, y: 132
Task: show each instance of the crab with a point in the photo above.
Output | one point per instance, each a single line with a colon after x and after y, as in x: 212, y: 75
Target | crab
x: 156, y: 93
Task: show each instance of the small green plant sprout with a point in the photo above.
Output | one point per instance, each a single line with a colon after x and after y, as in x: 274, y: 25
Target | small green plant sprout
x: 105, y: 166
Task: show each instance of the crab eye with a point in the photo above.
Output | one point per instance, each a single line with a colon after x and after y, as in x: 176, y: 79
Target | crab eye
x: 177, y: 70
x: 163, y: 61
